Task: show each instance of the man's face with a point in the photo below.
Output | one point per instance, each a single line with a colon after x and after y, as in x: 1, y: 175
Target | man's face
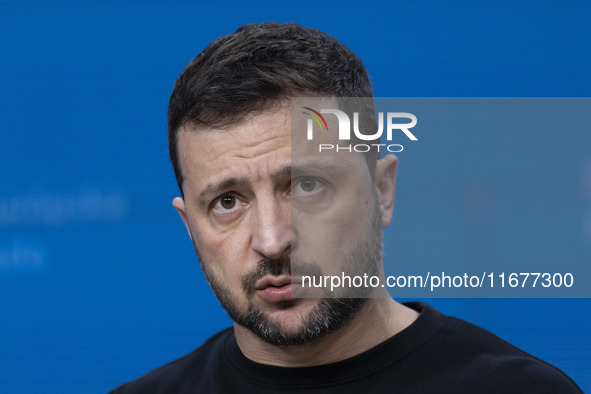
x: 241, y: 192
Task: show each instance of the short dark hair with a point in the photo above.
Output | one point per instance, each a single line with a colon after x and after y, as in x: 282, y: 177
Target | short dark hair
x: 251, y: 69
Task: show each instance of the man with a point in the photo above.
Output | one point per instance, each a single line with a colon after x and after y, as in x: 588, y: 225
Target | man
x: 260, y: 204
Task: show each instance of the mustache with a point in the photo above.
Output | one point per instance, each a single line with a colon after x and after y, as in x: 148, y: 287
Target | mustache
x: 277, y: 267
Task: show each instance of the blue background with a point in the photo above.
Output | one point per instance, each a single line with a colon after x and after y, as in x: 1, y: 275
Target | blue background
x: 98, y: 279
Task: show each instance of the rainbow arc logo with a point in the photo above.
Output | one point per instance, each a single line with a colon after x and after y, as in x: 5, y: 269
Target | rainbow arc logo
x: 315, y: 115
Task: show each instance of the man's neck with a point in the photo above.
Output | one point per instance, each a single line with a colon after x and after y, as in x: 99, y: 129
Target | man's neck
x: 378, y: 320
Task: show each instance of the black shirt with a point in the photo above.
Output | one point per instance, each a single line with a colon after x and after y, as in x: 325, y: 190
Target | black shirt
x: 435, y: 354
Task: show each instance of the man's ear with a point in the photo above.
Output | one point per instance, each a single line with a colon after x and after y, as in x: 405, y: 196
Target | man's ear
x: 386, y: 186
x: 179, y: 204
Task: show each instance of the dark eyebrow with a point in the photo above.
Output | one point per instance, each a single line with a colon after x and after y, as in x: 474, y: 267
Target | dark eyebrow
x: 215, y: 189
x: 315, y: 168
x: 282, y: 173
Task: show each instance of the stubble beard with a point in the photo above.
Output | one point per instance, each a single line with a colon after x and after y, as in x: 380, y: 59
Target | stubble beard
x: 327, y: 316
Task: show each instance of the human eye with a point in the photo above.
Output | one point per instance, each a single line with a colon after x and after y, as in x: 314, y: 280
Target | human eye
x: 226, y: 204
x: 306, y: 186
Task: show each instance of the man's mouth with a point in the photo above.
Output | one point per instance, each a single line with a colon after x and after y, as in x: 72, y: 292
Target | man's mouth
x: 278, y: 288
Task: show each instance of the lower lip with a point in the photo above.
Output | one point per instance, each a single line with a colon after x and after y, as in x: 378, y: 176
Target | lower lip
x: 277, y: 293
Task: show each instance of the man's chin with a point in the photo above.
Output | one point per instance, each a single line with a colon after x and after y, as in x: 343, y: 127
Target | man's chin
x: 303, y: 322
x: 291, y: 315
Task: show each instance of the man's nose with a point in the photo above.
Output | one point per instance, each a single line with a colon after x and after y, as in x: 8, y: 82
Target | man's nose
x: 271, y: 233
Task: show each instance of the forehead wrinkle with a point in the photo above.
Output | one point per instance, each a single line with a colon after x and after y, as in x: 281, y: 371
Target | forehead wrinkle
x: 245, y: 153
x: 255, y: 149
x: 227, y: 153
